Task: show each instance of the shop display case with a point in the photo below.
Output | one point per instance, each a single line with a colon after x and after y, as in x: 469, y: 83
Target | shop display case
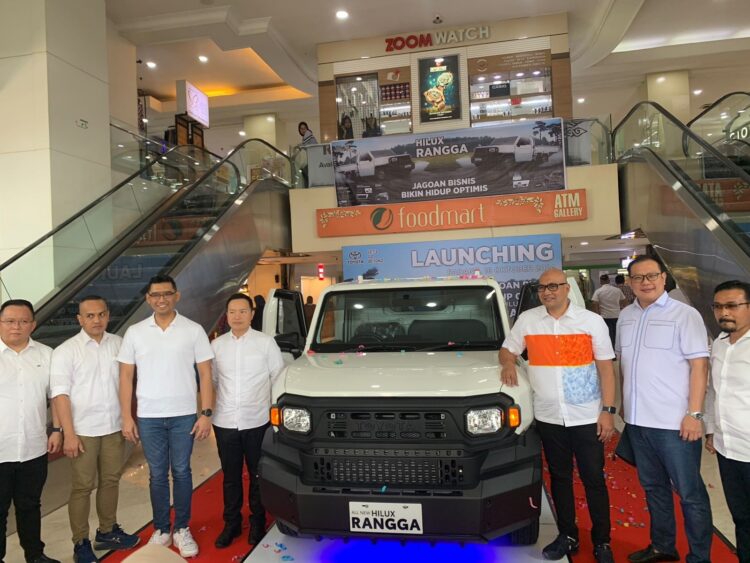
x: 357, y: 102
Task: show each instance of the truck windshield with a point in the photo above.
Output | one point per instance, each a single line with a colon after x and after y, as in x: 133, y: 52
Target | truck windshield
x: 388, y: 319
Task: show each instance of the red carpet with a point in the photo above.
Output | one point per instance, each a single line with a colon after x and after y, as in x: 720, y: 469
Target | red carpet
x: 629, y: 515
x: 206, y: 524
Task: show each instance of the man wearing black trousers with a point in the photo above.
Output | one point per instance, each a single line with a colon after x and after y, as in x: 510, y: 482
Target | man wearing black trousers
x: 246, y: 365
x: 24, y: 388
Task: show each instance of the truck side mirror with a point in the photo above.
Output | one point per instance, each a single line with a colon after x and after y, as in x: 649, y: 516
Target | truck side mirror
x: 291, y: 343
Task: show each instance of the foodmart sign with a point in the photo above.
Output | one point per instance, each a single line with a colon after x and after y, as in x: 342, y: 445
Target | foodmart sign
x: 436, y: 38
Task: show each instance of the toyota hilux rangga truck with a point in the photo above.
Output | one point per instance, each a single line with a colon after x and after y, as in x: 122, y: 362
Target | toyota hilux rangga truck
x: 512, y: 149
x: 393, y: 421
x: 381, y: 164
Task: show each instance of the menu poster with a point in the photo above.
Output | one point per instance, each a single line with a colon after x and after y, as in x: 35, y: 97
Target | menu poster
x: 439, y: 89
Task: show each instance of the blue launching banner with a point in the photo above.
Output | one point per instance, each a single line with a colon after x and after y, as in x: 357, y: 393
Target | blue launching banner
x: 512, y: 261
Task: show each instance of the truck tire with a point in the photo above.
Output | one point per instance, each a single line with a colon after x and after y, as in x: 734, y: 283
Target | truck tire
x: 527, y: 535
x: 287, y: 531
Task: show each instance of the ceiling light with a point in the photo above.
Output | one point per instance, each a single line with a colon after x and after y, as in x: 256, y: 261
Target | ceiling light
x: 709, y: 134
x: 697, y: 92
x: 144, y: 120
x: 342, y: 14
x: 150, y: 64
x: 120, y: 146
x: 480, y: 78
x: 270, y: 118
x: 581, y: 100
x: 661, y: 79
x: 439, y: 60
x: 584, y: 243
x: 519, y: 74
x: 537, y: 72
x: 496, y: 77
x: 359, y: 79
x: 242, y: 133
x: 354, y: 88
x: 338, y: 100
x: 364, y: 57
x: 203, y: 58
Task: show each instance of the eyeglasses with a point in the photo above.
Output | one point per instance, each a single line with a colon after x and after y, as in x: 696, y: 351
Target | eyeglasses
x: 731, y: 307
x: 650, y: 277
x: 553, y: 287
x: 160, y: 294
x: 11, y: 322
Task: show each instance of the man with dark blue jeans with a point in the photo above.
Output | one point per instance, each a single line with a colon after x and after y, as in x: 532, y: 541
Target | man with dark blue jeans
x: 167, y: 348
x: 727, y: 410
x: 663, y: 349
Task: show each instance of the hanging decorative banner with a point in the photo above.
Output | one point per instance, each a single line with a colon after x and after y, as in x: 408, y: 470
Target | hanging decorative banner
x: 470, y: 213
x: 510, y: 158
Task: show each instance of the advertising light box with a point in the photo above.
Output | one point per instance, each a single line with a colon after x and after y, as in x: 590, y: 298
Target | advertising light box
x: 192, y: 101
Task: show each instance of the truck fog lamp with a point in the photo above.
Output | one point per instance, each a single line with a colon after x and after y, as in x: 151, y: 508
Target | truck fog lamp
x: 296, y: 419
x: 484, y: 421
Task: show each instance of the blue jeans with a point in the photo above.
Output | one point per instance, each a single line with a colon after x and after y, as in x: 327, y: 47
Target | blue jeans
x: 666, y: 461
x: 167, y: 442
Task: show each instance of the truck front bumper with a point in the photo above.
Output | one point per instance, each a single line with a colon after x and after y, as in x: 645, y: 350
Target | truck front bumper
x: 507, y: 496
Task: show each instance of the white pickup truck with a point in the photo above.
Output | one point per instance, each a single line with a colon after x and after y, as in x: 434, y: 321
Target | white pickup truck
x: 393, y: 421
x: 517, y: 149
x: 381, y: 164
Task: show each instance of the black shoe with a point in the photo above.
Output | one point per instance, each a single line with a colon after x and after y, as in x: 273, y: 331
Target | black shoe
x: 227, y: 535
x: 115, y: 539
x: 603, y: 553
x: 82, y: 552
x: 652, y: 554
x: 562, y: 546
x: 42, y: 559
x: 257, y: 533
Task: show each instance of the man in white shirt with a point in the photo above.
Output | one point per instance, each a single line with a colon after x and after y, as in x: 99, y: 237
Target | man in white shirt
x: 24, y: 387
x: 607, y: 301
x: 571, y: 373
x: 728, y: 404
x: 167, y: 348
x: 246, y: 365
x: 84, y: 382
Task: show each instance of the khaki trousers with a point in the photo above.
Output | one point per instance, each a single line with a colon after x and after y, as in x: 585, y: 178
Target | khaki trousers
x: 103, y: 455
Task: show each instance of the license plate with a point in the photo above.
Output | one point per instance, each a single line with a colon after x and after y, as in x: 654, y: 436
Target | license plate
x: 385, y: 518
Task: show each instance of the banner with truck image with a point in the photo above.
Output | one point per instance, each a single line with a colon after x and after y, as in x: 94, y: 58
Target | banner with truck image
x: 512, y: 158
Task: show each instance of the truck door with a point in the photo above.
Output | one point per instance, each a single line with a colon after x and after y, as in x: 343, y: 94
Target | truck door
x: 524, y: 149
x: 284, y: 319
x: 366, y: 165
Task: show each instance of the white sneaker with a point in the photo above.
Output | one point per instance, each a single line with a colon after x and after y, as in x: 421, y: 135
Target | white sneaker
x: 183, y: 540
x: 161, y: 538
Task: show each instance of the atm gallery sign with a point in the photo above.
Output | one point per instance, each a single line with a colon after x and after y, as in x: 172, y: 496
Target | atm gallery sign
x: 471, y: 213
x: 435, y: 38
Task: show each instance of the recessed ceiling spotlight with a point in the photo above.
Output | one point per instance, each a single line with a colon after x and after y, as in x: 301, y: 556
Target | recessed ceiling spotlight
x: 150, y: 64
x: 338, y: 100
x: 584, y: 243
x: 537, y: 72
x: 270, y: 118
x: 519, y: 74
x: 661, y: 79
x: 203, y: 58
x: 581, y: 100
x: 342, y: 15
x: 144, y: 120
x: 354, y: 88
x: 697, y: 92
x: 496, y: 77
x: 120, y: 146
x: 364, y: 57
x: 242, y: 133
x: 359, y: 79
x: 480, y: 79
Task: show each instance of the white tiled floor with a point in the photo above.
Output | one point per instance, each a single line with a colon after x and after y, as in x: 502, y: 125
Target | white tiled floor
x: 135, y: 509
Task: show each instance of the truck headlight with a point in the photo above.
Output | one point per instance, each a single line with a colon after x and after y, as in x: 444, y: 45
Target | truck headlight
x: 296, y: 419
x: 484, y: 421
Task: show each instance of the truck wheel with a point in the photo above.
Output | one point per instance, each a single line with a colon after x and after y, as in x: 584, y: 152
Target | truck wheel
x: 527, y: 535
x: 287, y: 531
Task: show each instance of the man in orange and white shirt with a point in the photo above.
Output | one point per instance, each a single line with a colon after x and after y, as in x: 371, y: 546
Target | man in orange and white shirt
x: 573, y: 380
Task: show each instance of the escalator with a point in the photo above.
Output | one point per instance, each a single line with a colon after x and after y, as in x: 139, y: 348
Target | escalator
x: 691, y: 201
x: 207, y: 234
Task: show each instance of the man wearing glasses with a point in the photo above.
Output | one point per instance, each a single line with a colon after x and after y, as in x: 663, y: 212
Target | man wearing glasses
x: 727, y: 404
x: 573, y: 379
x: 246, y: 365
x: 24, y: 387
x: 166, y: 348
x: 663, y: 351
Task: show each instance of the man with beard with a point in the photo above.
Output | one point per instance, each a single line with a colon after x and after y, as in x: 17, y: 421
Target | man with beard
x: 727, y: 404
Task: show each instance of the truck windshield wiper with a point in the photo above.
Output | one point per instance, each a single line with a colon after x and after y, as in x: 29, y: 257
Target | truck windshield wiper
x: 378, y: 347
x: 465, y: 345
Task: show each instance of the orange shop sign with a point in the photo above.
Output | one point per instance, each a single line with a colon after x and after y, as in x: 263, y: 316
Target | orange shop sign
x: 445, y: 215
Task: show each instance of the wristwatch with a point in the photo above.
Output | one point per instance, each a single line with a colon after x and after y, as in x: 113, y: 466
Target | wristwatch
x: 697, y: 415
x: 610, y: 410
x: 207, y: 412
x: 56, y: 429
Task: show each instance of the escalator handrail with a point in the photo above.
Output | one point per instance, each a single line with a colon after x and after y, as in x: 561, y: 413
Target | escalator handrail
x: 139, y: 136
x: 687, y: 134
x: 716, y: 103
x: 710, y: 206
x: 82, y: 211
x: 75, y: 284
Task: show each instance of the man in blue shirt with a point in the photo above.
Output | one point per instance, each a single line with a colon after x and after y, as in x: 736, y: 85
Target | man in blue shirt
x: 663, y: 350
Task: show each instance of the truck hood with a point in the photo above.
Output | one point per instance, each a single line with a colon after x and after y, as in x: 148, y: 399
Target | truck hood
x: 389, y: 374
